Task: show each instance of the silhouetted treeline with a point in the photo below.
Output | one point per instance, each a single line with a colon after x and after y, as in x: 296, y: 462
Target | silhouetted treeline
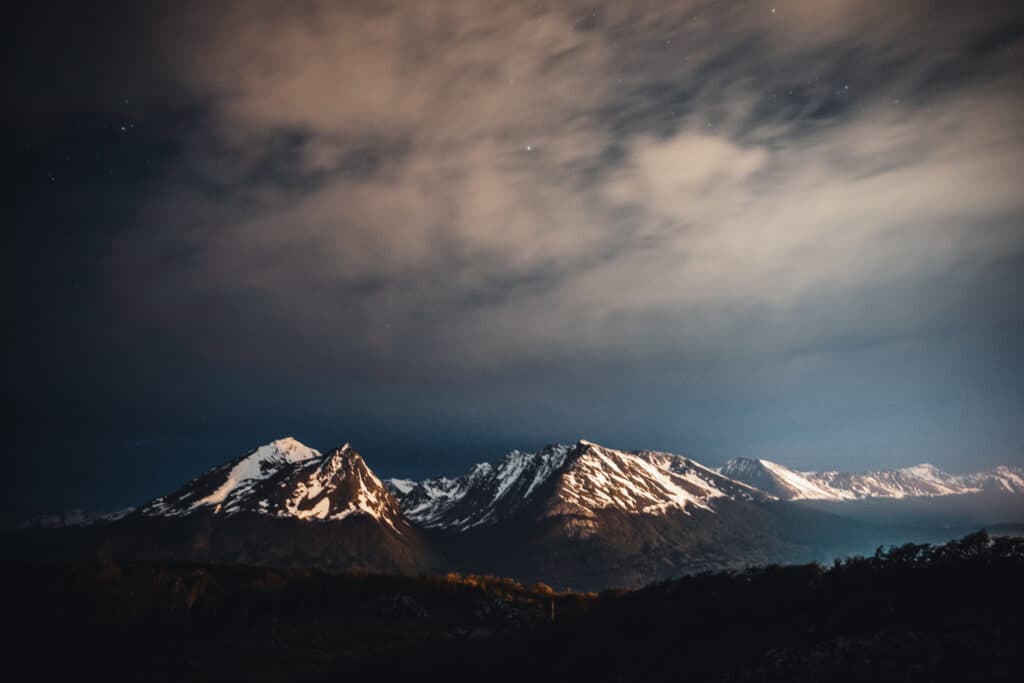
x: 976, y: 549
x: 906, y: 613
x: 911, y: 612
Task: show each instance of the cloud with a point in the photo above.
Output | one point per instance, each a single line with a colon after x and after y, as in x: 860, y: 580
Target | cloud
x: 428, y: 188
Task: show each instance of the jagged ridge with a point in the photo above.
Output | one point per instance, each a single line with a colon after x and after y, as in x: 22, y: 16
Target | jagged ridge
x: 917, y: 481
x: 286, y: 479
x: 572, y: 481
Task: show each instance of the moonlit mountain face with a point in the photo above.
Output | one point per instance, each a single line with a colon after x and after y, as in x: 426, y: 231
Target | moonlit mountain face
x: 570, y: 481
x: 580, y: 515
x: 286, y: 479
x: 484, y: 494
x: 917, y: 481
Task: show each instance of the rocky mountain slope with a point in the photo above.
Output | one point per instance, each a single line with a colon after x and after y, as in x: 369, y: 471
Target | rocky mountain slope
x: 583, y: 515
x: 286, y: 479
x: 576, y: 481
x: 922, y: 480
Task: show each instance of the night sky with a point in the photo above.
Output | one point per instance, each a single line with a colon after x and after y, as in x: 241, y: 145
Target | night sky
x: 791, y: 230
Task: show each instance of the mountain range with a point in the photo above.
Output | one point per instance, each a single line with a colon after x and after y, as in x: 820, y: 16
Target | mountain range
x: 922, y: 480
x: 580, y: 515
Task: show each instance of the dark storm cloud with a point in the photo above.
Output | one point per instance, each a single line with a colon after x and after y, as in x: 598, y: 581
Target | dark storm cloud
x: 686, y: 219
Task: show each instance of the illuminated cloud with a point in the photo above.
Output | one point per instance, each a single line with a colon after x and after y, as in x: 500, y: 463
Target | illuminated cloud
x: 455, y: 184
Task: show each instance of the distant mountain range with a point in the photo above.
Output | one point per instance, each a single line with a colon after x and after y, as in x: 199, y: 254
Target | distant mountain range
x: 918, y: 481
x: 583, y: 515
x: 570, y: 482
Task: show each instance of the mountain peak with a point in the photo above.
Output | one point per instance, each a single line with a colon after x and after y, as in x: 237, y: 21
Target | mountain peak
x: 569, y: 481
x: 286, y: 442
x: 772, y: 478
x: 640, y: 482
x: 484, y: 494
x: 341, y: 485
x: 343, y: 452
x: 256, y: 466
x: 289, y: 448
x: 924, y: 479
x: 925, y: 470
x: 286, y: 479
x: 741, y: 464
x: 587, y: 444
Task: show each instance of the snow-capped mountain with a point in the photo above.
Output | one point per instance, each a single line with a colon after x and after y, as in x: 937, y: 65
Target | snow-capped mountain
x: 650, y: 482
x: 1001, y: 479
x: 286, y: 479
x: 483, y: 494
x: 567, y: 481
x: 580, y: 515
x: 917, y: 481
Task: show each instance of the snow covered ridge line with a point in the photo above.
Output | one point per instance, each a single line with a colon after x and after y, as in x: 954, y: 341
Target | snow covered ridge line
x: 286, y: 479
x: 924, y: 480
x: 484, y: 494
x: 570, y: 482
x: 576, y: 483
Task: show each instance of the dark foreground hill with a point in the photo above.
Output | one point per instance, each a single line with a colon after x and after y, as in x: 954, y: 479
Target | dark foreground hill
x: 916, y: 612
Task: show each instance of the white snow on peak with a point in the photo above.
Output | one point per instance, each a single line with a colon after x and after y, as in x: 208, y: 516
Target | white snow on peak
x: 292, y: 450
x: 586, y: 478
x: 925, y: 471
x: 512, y: 467
x: 801, y: 485
x: 368, y: 496
x: 1011, y: 480
x: 287, y: 478
x: 549, y: 464
x: 740, y: 465
x: 919, y: 480
x: 480, y: 495
x: 641, y: 482
x: 403, y: 486
x: 1001, y: 479
x: 259, y: 465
